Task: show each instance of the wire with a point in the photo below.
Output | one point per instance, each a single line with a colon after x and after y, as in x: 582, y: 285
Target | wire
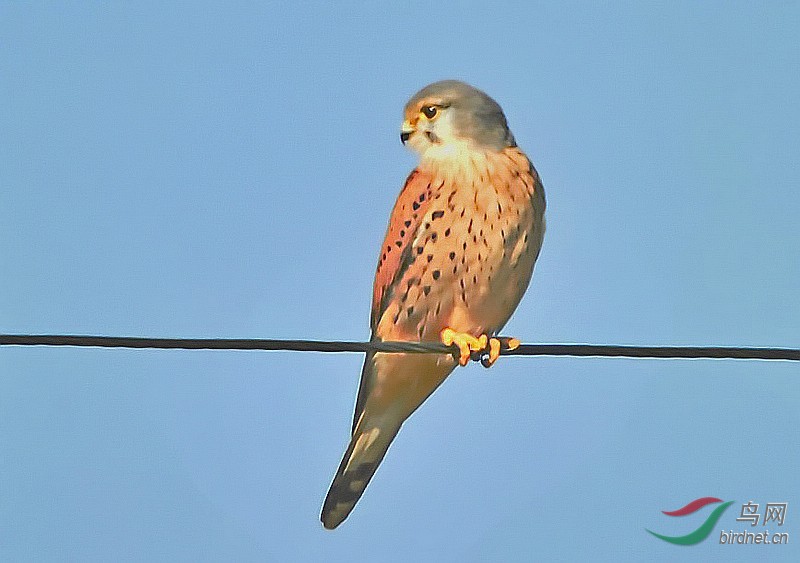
x: 580, y: 350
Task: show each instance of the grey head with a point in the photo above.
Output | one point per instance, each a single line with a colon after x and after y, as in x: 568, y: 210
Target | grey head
x: 451, y: 111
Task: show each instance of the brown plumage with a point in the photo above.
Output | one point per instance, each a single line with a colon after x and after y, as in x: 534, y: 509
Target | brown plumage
x: 459, y: 252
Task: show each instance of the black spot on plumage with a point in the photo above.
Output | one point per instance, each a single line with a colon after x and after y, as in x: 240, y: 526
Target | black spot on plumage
x: 421, y: 197
x: 437, y: 215
x: 343, y: 494
x: 452, y: 255
x: 363, y: 470
x: 407, y: 223
x: 455, y: 268
x: 399, y: 243
x: 426, y: 289
x: 410, y: 311
x: 430, y: 257
x: 419, y: 250
x: 447, y: 232
x: 469, y: 228
x: 475, y: 280
x: 388, y: 249
x: 436, y: 274
x: 434, y: 236
x: 499, y: 207
x: 415, y: 206
x: 402, y: 233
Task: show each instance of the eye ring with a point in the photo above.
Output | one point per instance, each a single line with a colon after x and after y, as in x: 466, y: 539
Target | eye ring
x: 429, y: 111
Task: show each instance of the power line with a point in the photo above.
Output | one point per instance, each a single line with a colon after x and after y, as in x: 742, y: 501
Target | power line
x: 579, y: 350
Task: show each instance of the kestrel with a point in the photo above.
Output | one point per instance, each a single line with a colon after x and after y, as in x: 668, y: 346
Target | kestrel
x: 459, y: 253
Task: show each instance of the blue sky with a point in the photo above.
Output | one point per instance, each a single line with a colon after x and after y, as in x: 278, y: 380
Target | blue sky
x: 218, y: 170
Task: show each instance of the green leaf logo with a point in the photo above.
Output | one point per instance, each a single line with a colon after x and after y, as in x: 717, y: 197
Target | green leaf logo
x: 704, y: 530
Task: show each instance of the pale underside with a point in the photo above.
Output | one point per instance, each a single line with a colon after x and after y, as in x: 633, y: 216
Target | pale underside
x: 470, y: 230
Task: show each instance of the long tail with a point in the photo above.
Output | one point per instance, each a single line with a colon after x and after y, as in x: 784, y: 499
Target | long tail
x: 364, y: 454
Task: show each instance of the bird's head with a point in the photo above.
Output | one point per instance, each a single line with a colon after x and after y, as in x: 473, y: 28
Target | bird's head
x: 447, y: 118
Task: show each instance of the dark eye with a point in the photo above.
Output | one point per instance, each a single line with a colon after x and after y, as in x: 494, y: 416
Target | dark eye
x: 429, y: 111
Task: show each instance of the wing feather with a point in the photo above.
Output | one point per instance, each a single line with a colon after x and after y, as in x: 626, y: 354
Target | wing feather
x: 395, y: 257
x: 396, y: 252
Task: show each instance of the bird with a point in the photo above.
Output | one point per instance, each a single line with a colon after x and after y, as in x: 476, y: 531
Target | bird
x: 459, y: 253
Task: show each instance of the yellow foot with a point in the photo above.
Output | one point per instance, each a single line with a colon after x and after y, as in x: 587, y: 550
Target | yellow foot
x: 487, y: 360
x: 466, y: 343
x: 483, y: 348
x: 496, y: 345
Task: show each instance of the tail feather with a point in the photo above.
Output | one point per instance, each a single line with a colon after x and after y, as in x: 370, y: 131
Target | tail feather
x: 365, y: 452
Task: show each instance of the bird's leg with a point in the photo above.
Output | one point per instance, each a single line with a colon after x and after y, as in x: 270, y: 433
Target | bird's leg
x: 466, y: 343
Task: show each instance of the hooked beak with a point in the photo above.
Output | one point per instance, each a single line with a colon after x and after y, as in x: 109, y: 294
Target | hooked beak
x: 405, y: 132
